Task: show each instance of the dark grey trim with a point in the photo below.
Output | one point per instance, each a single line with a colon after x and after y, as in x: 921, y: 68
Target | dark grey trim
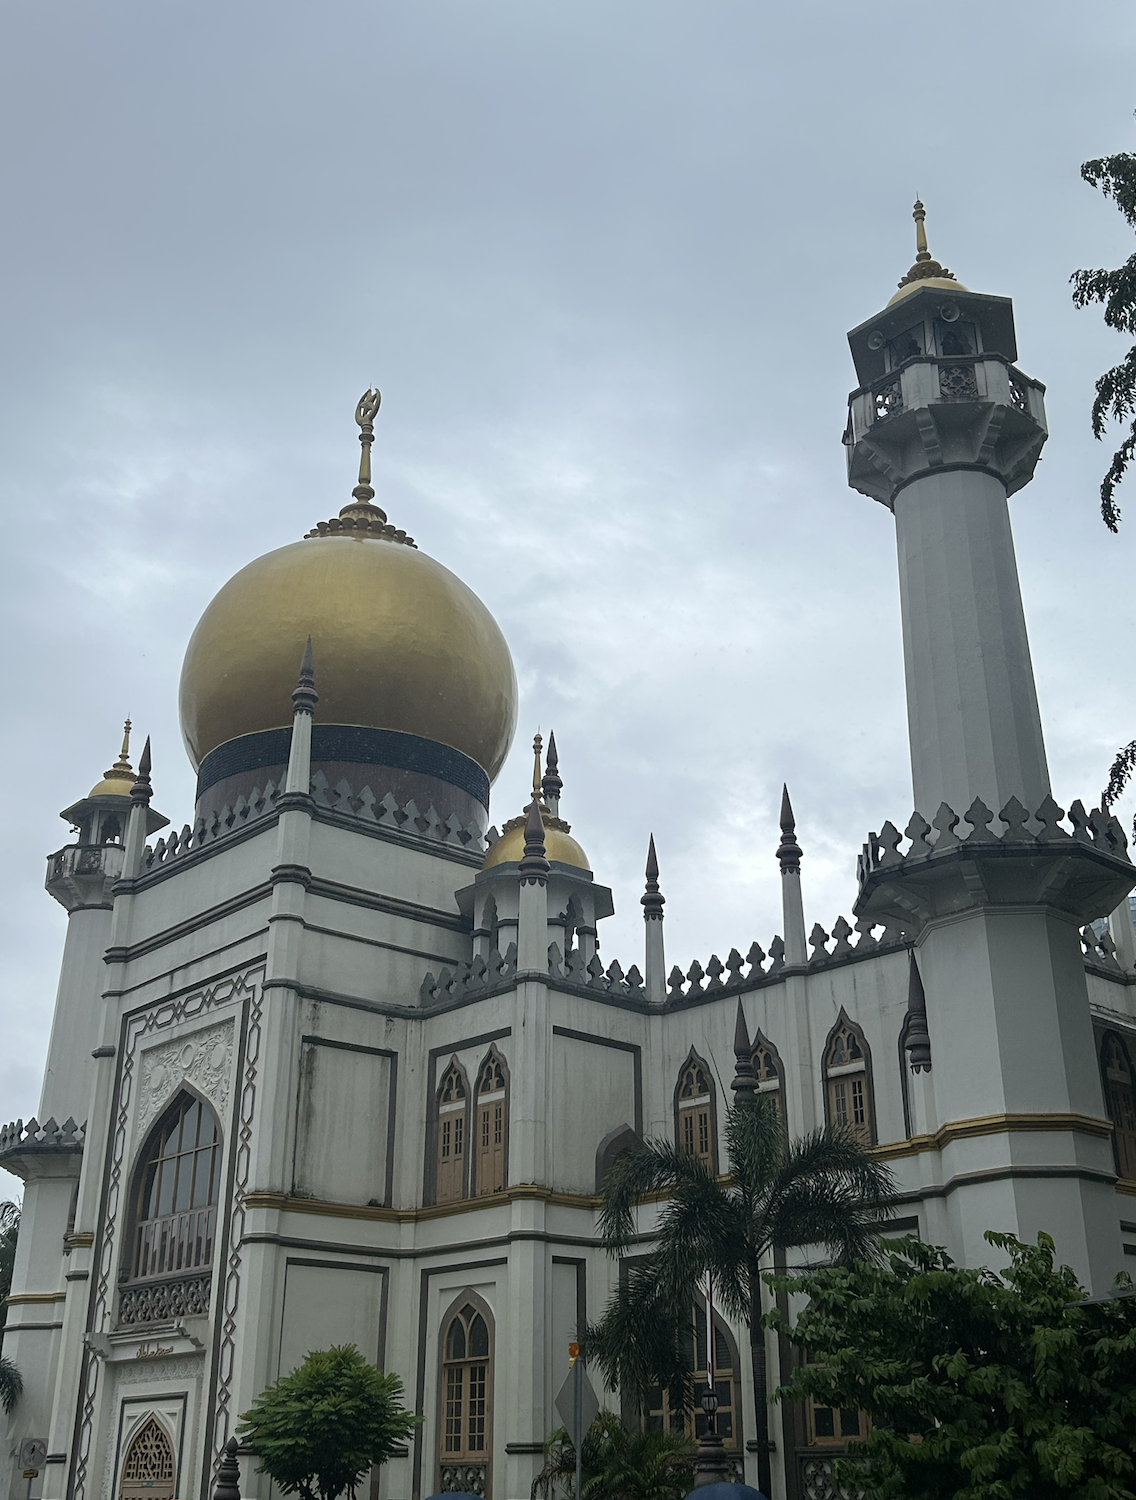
x: 581, y: 1266
x: 693, y: 1057
x: 392, y: 1103
x: 29, y: 1327
x: 129, y: 952
x: 339, y: 1265
x: 221, y: 1258
x: 607, y: 1041
x: 354, y: 895
x: 77, y: 1276
x: 888, y: 1227
x: 499, y: 1241
x: 420, y: 1384
x: 520, y: 1449
x: 1005, y: 1174
x: 237, y: 968
x: 356, y: 937
x: 430, y: 1165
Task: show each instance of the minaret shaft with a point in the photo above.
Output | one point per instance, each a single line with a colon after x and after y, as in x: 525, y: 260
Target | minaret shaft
x: 973, y: 719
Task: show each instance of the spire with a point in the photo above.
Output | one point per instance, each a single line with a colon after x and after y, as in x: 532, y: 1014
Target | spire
x: 917, y: 1041
x: 788, y: 851
x: 228, y: 1486
x: 537, y: 745
x: 360, y: 514
x: 652, y: 900
x: 534, y: 865
x: 924, y: 266
x: 305, y: 697
x: 123, y: 761
x: 745, y: 1083
x: 365, y: 414
x: 141, y: 791
x: 551, y: 785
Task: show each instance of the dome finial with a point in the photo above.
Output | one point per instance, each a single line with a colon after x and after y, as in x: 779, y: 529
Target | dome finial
x: 924, y: 267
x: 551, y: 784
x: 538, y: 745
x: 365, y: 414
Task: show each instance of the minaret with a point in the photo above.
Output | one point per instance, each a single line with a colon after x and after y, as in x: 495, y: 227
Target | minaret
x: 792, y: 906
x: 942, y: 430
x: 655, y: 964
x: 992, y: 888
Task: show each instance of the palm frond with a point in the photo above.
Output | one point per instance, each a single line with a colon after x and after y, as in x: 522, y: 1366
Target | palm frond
x: 656, y: 1166
x: 756, y: 1143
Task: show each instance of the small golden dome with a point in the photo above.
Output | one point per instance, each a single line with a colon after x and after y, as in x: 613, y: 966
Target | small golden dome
x: 399, y: 643
x: 559, y: 846
x: 120, y: 778
x: 925, y: 271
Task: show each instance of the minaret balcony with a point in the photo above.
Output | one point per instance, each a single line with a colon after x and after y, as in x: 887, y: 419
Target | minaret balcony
x: 942, y: 412
x: 83, y: 875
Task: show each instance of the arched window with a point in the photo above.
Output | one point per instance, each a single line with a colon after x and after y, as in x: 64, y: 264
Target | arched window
x: 148, y: 1468
x: 491, y: 1145
x: 1120, y: 1100
x: 466, y: 1438
x: 768, y: 1072
x: 621, y: 1141
x: 849, y: 1104
x: 695, y: 1125
x: 659, y: 1415
x: 453, y: 1108
x: 178, y: 1184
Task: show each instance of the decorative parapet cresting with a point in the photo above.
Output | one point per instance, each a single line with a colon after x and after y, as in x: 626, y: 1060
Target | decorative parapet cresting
x: 1083, y: 868
x: 467, y: 981
x: 20, y: 1139
x: 365, y: 807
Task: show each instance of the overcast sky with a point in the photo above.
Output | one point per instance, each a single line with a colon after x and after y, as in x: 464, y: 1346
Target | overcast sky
x: 601, y: 259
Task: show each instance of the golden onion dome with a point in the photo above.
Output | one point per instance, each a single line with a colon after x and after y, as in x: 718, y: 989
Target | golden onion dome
x: 559, y: 846
x: 399, y: 642
x: 120, y: 778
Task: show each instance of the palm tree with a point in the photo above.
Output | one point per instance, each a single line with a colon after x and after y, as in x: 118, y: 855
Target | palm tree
x: 11, y: 1384
x: 618, y: 1464
x: 823, y: 1188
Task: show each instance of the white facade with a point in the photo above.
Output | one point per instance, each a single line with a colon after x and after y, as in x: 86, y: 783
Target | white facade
x: 328, y: 977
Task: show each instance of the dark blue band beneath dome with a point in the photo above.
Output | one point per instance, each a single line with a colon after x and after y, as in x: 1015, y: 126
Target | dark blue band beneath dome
x: 350, y: 743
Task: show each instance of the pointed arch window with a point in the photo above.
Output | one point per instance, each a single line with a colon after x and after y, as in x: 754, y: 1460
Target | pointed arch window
x: 1120, y: 1100
x: 179, y: 1181
x: 660, y: 1416
x: 148, y: 1469
x: 491, y: 1144
x: 453, y: 1110
x: 848, y: 1097
x: 695, y: 1123
x: 466, y: 1435
x: 768, y: 1072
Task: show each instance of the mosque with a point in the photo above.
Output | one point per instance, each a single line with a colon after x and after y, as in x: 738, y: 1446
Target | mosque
x: 340, y: 1062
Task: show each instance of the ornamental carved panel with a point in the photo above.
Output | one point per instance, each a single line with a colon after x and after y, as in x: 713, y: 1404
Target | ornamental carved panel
x: 204, y: 1058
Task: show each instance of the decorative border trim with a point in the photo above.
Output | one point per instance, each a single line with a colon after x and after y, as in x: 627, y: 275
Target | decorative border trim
x: 961, y: 1130
x: 354, y: 744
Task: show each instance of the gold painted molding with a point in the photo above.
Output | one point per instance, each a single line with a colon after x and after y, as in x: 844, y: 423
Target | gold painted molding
x: 524, y: 1191
x: 35, y: 1297
x: 1126, y: 1185
x: 961, y: 1130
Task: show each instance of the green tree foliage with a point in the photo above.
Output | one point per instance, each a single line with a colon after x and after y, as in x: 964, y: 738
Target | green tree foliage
x: 11, y: 1383
x: 618, y: 1463
x: 321, y: 1428
x: 823, y: 1188
x: 1116, y: 388
x: 979, y: 1386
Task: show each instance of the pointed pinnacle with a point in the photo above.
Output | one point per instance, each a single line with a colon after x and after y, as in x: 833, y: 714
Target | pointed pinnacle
x: 744, y: 1084
x: 141, y: 790
x: 551, y: 785
x: 788, y: 851
x: 652, y: 901
x: 305, y: 697
x: 534, y: 862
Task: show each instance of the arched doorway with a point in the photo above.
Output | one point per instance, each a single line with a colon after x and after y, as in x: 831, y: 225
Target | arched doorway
x: 148, y: 1468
